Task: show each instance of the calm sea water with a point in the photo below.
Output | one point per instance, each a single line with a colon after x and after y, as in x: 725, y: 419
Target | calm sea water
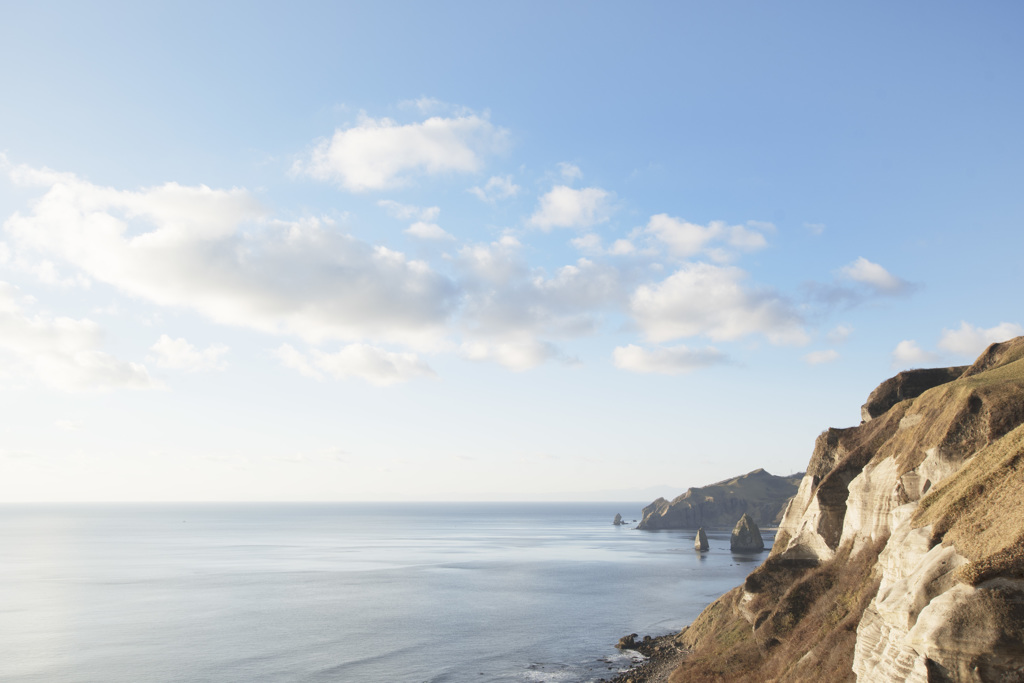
x: 237, y: 593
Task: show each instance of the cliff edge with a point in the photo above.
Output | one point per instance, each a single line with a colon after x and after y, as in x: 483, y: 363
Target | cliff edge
x: 901, y: 557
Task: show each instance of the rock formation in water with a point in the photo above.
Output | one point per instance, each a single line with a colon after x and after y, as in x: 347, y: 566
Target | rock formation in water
x: 701, y: 541
x: 618, y: 519
x: 761, y: 495
x: 746, y: 537
x: 901, y: 558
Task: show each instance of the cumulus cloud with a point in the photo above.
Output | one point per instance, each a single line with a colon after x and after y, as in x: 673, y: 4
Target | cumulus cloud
x: 815, y: 228
x: 970, y: 341
x: 819, y: 357
x: 362, y: 361
x: 498, y: 187
x: 874, y: 276
x: 685, y: 239
x: 673, y: 360
x: 565, y: 207
x: 376, y: 154
x: 908, y: 354
x: 216, y: 252
x: 178, y: 354
x: 709, y: 300
x: 61, y: 352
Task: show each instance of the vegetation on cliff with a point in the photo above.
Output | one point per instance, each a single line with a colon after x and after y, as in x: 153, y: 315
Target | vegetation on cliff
x: 944, y: 470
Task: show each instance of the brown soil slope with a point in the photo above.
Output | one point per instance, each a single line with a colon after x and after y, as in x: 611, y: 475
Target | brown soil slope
x: 956, y: 451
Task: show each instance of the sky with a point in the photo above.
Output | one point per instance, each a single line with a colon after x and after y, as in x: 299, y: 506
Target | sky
x: 487, y: 251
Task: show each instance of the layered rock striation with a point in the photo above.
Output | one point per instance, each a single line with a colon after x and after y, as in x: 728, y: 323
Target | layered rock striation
x: 901, y: 557
x: 759, y: 494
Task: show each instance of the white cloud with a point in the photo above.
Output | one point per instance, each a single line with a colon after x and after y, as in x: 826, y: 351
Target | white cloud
x: 496, y: 263
x: 428, y: 231
x: 216, y: 252
x: 178, y: 354
x: 424, y: 227
x: 517, y: 355
x: 61, y: 352
x: 815, y: 228
x: 970, y: 341
x: 362, y: 361
x: 819, y: 357
x: 376, y: 154
x: 672, y: 360
x: 405, y: 212
x: 685, y: 239
x: 622, y: 248
x: 589, y: 243
x: 564, y: 207
x: 874, y: 276
x: 568, y: 303
x: 498, y: 187
x: 703, y: 299
x: 908, y: 353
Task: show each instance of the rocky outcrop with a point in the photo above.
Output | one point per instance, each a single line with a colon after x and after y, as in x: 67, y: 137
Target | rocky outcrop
x: 701, y: 541
x: 618, y: 519
x: 761, y: 495
x: 907, y: 384
x: 746, y: 537
x: 901, y: 557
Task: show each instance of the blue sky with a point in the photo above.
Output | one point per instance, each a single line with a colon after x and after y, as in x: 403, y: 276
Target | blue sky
x: 469, y: 251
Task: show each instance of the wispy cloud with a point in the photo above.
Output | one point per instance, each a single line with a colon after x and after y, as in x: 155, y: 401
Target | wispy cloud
x: 673, y: 360
x: 374, y: 365
x: 178, y: 354
x: 497, y: 187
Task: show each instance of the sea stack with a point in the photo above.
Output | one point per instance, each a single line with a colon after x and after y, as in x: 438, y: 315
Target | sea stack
x: 701, y: 542
x: 618, y: 519
x: 746, y: 537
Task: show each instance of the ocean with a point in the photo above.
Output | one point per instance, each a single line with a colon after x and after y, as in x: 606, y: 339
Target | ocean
x: 235, y: 593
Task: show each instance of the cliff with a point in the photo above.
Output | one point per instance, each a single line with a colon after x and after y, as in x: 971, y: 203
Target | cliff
x: 901, y: 558
x: 759, y: 494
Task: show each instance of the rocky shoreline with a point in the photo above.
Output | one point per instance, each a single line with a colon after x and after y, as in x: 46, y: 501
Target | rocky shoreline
x: 663, y: 654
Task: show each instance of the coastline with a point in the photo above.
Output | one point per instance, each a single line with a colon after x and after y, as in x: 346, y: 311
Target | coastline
x: 662, y: 655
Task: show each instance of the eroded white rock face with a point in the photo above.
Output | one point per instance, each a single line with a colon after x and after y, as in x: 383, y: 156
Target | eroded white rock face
x: 800, y: 524
x: 913, y: 576
x: 924, y: 626
x: 874, y: 493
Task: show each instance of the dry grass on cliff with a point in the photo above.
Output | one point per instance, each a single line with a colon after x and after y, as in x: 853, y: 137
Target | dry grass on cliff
x: 980, y: 510
x: 806, y: 624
